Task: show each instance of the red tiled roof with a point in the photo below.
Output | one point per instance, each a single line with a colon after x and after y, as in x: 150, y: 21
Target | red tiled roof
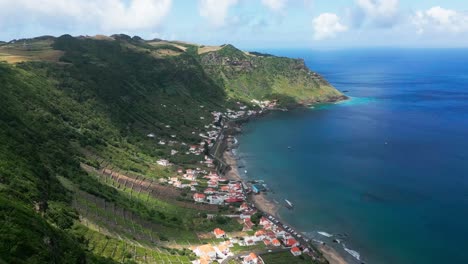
x: 276, y: 242
x: 199, y: 195
x: 290, y: 242
x: 251, y: 256
x: 295, y: 249
x: 219, y: 232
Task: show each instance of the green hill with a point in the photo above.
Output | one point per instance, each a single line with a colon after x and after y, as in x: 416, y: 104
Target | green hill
x: 260, y: 76
x: 76, y: 111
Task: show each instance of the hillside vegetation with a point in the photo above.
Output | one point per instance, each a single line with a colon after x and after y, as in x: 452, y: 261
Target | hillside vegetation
x: 76, y: 111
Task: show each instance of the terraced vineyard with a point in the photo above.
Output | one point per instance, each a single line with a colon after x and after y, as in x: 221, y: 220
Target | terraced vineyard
x: 122, y: 250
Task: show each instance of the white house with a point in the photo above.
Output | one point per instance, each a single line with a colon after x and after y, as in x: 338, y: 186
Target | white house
x: 252, y: 258
x: 163, y: 162
x: 199, y: 197
x: 206, y: 251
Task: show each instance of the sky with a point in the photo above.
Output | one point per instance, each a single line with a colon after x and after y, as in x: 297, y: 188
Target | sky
x: 261, y: 24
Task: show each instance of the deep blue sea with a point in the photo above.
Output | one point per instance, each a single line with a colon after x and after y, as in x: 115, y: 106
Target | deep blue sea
x: 388, y: 168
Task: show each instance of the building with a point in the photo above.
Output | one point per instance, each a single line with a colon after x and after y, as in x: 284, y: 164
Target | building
x: 163, y: 162
x: 291, y: 242
x: 275, y: 242
x: 215, y: 199
x: 247, y: 215
x: 255, y: 189
x: 260, y: 234
x: 248, y: 225
x: 219, y: 233
x: 222, y: 251
x: 206, y: 252
x: 209, y: 191
x: 213, y: 184
x: 199, y: 197
x: 252, y: 258
x: 244, y: 207
x: 296, y: 251
x: 265, y: 223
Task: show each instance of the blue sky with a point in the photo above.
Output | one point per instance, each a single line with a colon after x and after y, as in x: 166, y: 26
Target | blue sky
x: 248, y: 23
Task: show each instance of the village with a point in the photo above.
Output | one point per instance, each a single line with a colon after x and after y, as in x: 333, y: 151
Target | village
x: 261, y: 231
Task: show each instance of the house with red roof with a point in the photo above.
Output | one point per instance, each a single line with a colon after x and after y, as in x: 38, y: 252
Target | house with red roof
x: 206, y: 252
x: 209, y: 191
x: 190, y: 177
x: 199, y: 197
x: 219, y: 233
x: 252, y: 258
x: 296, y: 251
x: 247, y: 215
x: 275, y: 242
x: 267, y: 224
x: 270, y: 234
x: 291, y: 242
x: 267, y: 242
x: 213, y: 184
x: 260, y: 234
x: 243, y: 207
x: 234, y: 200
x: 248, y: 225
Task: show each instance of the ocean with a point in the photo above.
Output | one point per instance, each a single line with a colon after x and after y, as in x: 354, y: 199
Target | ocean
x: 386, y: 172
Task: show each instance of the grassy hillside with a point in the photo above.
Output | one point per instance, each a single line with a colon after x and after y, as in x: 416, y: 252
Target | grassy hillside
x: 248, y: 76
x: 75, y: 112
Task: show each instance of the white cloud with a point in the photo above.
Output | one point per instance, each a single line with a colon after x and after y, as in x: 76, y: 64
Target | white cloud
x: 381, y: 13
x: 327, y: 25
x: 216, y: 11
x: 275, y: 5
x: 441, y: 20
x: 104, y: 15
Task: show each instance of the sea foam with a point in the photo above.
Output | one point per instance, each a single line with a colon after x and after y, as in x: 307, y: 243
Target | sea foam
x: 324, y: 234
x: 353, y: 253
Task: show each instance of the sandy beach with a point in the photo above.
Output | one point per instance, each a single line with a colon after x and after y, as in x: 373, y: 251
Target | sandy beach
x: 331, y: 255
x: 233, y: 173
x: 260, y: 200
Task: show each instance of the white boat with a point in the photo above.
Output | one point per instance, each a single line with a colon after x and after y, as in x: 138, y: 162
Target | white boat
x: 289, y: 204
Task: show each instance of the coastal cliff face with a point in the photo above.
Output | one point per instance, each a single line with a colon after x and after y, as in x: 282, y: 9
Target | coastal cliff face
x: 254, y: 75
x: 75, y: 109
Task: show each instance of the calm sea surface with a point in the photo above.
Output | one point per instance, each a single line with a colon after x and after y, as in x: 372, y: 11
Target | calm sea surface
x: 388, y: 169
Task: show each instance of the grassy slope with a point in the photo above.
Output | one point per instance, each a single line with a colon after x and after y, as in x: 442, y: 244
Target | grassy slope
x: 99, y: 103
x: 104, y: 100
x: 261, y: 76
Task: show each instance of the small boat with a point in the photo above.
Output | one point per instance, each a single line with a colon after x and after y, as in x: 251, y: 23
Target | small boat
x: 289, y: 205
x: 245, y: 171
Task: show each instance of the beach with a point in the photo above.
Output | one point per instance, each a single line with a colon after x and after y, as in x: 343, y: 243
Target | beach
x: 331, y: 255
x: 266, y: 205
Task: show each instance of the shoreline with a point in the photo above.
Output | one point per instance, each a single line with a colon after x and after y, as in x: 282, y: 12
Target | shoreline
x: 264, y: 203
x: 260, y: 200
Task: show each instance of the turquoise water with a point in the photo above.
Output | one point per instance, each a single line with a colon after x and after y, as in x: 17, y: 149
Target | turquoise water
x: 388, y: 168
